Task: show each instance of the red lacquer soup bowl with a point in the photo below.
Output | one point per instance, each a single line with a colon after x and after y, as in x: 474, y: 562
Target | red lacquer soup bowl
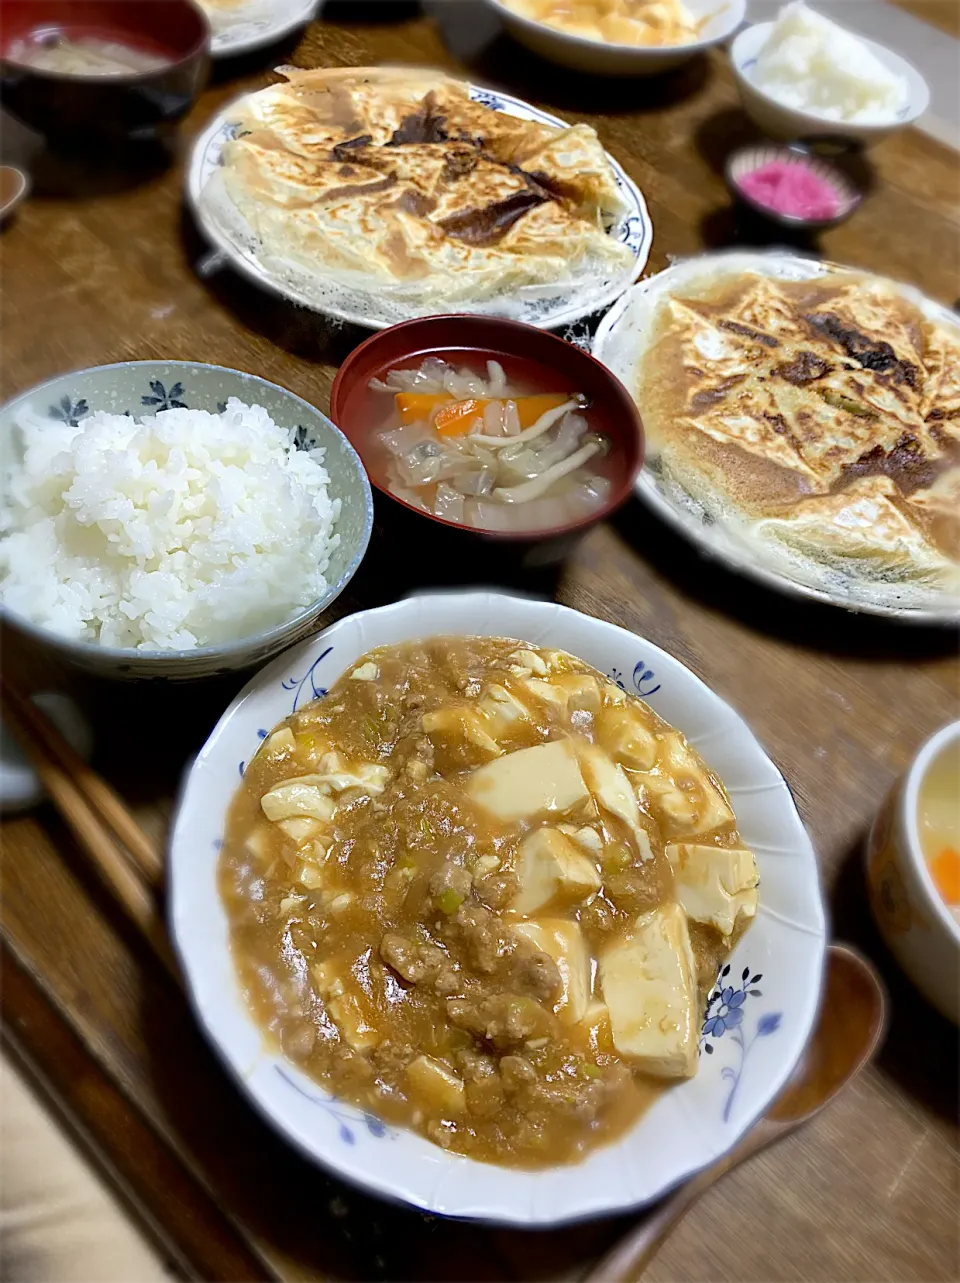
x: 535, y: 359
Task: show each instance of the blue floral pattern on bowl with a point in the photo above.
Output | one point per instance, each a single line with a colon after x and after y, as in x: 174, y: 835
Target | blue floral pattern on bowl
x: 724, y: 1014
x: 641, y: 678
x: 161, y: 399
x: 348, y: 1117
x: 69, y: 411
x: 299, y: 687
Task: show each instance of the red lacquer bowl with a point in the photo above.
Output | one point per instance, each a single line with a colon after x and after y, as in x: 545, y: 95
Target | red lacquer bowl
x: 537, y: 356
x: 84, y: 109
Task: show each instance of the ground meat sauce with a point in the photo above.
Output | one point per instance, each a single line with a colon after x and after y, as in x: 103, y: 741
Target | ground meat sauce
x: 393, y: 920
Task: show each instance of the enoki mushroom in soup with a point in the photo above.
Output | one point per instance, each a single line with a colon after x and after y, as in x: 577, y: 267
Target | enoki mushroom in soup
x: 489, y: 451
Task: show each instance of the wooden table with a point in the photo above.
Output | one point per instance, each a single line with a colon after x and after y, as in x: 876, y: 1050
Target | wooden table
x: 99, y: 270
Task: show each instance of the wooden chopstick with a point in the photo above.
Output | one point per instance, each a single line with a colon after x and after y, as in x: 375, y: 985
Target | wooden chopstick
x: 69, y: 794
x: 99, y: 795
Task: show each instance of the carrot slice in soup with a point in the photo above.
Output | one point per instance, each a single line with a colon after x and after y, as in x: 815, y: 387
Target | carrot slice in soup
x: 419, y: 405
x: 530, y: 408
x: 945, y: 871
x: 455, y: 419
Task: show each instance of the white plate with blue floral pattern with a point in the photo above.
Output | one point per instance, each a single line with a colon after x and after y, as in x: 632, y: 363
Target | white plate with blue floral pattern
x: 232, y: 245
x: 758, y: 1016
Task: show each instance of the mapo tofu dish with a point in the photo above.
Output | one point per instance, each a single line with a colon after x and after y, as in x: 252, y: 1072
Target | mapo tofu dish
x: 480, y: 891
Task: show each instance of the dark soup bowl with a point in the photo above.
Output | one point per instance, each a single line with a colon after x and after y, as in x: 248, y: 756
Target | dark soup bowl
x: 405, y: 436
x: 82, y: 71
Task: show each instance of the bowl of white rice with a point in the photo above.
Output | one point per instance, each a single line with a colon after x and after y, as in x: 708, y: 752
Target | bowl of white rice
x: 805, y: 76
x: 172, y: 519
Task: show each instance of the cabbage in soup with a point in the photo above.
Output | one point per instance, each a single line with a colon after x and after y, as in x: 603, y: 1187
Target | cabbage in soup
x: 83, y: 55
x: 487, y: 450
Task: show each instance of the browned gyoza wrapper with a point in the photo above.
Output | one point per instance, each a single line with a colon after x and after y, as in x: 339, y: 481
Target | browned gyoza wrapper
x: 825, y: 411
x: 395, y: 180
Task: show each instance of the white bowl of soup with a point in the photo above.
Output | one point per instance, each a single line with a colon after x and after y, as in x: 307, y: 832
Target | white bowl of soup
x: 443, y: 1008
x: 913, y: 870
x: 620, y: 37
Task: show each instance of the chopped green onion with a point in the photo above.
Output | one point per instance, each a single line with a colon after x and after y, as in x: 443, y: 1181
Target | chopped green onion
x: 450, y: 901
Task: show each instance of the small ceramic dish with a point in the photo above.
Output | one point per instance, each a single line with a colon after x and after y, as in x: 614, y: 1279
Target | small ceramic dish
x: 779, y: 121
x: 912, y: 916
x: 556, y: 365
x: 81, y: 108
x: 144, y: 387
x: 597, y: 57
x: 762, y: 1010
x: 760, y: 159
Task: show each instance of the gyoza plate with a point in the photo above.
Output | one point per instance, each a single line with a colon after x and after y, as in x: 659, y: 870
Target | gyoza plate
x: 634, y: 229
x: 760, y: 1014
x: 619, y: 341
x: 254, y: 24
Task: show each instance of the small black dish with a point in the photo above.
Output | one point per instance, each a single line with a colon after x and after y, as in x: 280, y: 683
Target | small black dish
x: 85, y: 110
x: 811, y: 156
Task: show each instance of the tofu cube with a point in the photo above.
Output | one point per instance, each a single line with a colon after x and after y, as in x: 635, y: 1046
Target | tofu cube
x: 301, y: 829
x: 353, y: 1027
x: 715, y: 884
x: 343, y: 1008
x: 438, y: 1085
x: 257, y: 843
x: 568, y: 692
x: 299, y: 797
x: 460, y: 735
x: 697, y: 806
x: 279, y: 742
x: 563, y: 941
x: 688, y: 812
x: 648, y: 980
x: 542, y: 780
x: 546, y: 691
x: 530, y: 659
x: 621, y: 732
x: 553, y: 872
x: 613, y: 792
x: 502, y: 709
x: 581, y: 690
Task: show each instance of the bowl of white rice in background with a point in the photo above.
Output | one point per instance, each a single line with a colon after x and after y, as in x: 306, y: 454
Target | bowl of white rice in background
x: 805, y: 76
x: 175, y: 520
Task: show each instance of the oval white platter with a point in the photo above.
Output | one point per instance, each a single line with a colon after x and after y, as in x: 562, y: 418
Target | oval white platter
x: 617, y: 344
x: 634, y: 229
x: 253, y: 24
x: 758, y: 1017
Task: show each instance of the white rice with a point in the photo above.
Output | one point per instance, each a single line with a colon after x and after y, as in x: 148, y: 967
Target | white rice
x: 811, y: 64
x: 178, y: 530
